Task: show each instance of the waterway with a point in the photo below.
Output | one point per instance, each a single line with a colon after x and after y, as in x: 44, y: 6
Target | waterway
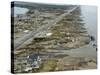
x: 89, y: 14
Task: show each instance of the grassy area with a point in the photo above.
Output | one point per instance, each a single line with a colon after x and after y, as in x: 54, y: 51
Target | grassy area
x: 47, y: 66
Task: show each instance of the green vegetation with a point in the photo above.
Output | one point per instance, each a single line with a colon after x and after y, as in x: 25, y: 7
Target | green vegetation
x: 48, y: 65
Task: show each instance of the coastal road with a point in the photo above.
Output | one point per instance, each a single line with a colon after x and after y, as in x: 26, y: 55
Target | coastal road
x: 18, y: 42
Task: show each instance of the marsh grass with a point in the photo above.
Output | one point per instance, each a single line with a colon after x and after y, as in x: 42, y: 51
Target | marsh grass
x: 48, y: 65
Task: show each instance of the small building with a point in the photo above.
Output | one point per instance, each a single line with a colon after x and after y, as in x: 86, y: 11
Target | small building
x: 48, y: 34
x: 26, y: 31
x: 34, y: 60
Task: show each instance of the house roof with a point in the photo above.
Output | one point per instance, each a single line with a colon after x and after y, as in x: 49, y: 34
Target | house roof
x: 32, y: 57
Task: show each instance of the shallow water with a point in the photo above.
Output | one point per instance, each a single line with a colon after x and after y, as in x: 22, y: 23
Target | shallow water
x: 19, y: 10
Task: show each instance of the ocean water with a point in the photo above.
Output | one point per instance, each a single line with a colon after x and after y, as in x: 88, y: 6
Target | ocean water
x: 90, y: 16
